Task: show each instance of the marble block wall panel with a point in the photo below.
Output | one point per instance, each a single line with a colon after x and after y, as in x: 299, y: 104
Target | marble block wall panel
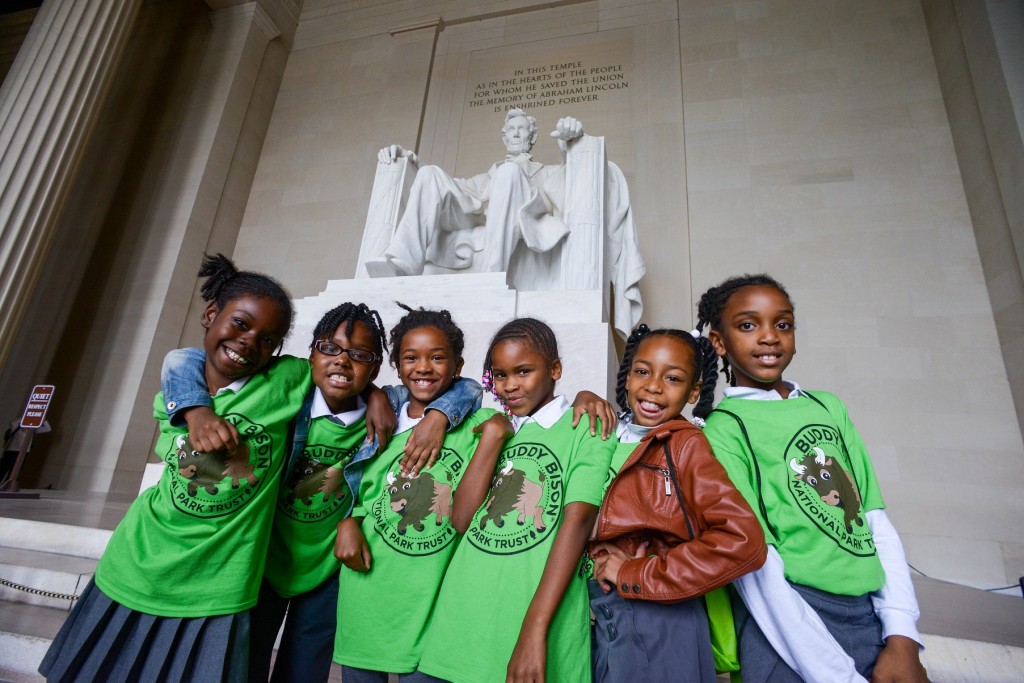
x: 979, y: 57
x: 361, y: 77
x: 818, y: 150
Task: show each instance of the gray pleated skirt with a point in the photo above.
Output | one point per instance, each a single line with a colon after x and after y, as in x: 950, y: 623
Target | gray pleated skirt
x: 103, y: 640
x: 639, y: 640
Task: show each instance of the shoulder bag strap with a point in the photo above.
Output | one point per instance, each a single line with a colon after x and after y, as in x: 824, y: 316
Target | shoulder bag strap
x: 757, y: 468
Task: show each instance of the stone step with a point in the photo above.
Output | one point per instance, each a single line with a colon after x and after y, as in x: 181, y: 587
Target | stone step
x: 48, y: 537
x: 954, y: 660
x: 55, y: 577
x: 56, y: 558
x: 20, y: 657
x: 25, y: 634
x: 971, y: 636
x: 34, y: 621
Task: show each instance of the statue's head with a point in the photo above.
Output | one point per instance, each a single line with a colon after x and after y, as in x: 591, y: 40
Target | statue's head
x: 519, y: 132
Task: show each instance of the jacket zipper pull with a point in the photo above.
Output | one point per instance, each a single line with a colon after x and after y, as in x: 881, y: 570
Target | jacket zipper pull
x: 668, y: 486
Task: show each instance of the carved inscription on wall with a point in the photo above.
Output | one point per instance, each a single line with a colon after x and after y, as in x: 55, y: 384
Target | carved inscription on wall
x: 548, y: 85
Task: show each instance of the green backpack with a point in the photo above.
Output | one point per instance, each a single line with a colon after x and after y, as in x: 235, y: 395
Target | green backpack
x: 723, y: 631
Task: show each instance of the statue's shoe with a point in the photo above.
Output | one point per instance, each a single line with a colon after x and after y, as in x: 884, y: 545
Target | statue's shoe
x: 380, y: 266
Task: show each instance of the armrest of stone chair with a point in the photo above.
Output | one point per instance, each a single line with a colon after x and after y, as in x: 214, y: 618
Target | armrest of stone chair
x: 390, y: 190
x: 583, y: 255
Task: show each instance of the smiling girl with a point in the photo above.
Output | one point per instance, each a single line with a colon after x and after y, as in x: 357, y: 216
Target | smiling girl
x: 834, y: 600
x: 671, y: 527
x: 171, y: 593
x: 513, y: 592
x: 397, y: 543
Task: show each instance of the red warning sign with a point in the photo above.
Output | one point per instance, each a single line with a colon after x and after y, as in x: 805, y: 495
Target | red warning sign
x: 38, y: 402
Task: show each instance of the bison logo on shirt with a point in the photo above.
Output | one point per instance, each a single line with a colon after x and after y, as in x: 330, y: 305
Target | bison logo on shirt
x: 208, y: 470
x: 412, y: 514
x: 310, y: 477
x: 417, y: 497
x: 513, y: 491
x: 529, y: 487
x: 832, y: 483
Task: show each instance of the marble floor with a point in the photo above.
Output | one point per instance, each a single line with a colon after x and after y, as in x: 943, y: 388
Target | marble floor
x: 948, y: 611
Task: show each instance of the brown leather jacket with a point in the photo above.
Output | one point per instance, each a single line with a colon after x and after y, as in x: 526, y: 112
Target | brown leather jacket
x: 724, y: 539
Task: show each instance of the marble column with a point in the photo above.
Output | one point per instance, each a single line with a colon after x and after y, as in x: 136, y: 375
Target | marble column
x: 48, y: 106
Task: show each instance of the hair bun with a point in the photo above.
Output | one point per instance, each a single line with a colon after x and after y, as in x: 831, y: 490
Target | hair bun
x: 638, y: 333
x: 219, y: 270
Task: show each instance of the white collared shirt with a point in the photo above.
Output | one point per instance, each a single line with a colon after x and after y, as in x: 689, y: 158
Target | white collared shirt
x: 235, y: 386
x: 755, y: 394
x: 546, y: 416
x: 405, y: 422
x: 627, y: 432
x: 345, y: 418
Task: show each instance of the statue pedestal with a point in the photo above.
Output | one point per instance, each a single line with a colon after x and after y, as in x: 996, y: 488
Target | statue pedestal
x: 480, y: 303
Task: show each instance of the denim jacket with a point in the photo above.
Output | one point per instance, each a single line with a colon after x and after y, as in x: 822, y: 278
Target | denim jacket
x: 183, y: 383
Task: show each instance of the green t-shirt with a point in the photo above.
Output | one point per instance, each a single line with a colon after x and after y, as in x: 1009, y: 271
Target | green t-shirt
x: 383, y: 613
x: 619, y: 457
x: 499, y: 564
x: 314, y: 498
x: 805, y: 472
x: 194, y: 544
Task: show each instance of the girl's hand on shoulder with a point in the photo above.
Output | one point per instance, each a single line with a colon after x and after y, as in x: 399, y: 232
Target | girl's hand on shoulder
x: 529, y: 658
x: 380, y: 418
x: 208, y: 432
x: 899, y: 662
x: 424, y: 444
x: 350, y: 546
x: 496, y: 426
x: 595, y: 407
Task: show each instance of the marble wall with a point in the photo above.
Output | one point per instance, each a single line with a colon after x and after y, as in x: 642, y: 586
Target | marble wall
x: 383, y: 77
x: 818, y: 149
x: 807, y: 139
x: 979, y: 53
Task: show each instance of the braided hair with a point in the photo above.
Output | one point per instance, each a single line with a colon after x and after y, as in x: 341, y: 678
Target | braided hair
x: 706, y: 369
x: 715, y: 299
x: 414, y: 318
x: 530, y: 331
x: 224, y: 283
x: 349, y: 314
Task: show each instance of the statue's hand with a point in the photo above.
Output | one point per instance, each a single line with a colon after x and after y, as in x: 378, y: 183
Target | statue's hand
x: 392, y: 153
x: 566, y: 130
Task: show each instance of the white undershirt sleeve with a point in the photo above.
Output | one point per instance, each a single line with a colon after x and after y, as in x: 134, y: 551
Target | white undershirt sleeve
x: 792, y: 627
x: 895, y: 602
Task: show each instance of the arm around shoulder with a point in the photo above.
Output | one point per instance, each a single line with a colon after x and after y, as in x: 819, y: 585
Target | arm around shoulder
x: 472, y: 489
x: 463, y: 398
x: 183, y: 382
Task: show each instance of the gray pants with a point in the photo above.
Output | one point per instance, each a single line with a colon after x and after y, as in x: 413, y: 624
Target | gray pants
x: 850, y: 619
x: 639, y: 640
